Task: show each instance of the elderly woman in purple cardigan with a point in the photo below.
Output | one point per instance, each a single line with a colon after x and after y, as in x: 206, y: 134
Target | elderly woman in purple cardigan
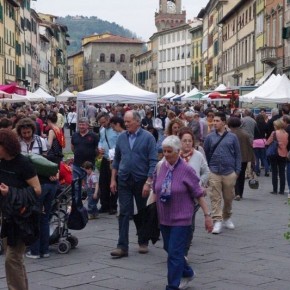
x: 176, y: 185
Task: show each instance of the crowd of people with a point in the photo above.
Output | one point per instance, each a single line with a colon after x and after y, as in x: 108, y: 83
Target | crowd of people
x: 185, y: 157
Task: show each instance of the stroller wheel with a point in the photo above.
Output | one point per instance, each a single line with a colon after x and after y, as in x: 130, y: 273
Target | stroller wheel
x: 73, y: 241
x: 54, y: 237
x: 64, y: 247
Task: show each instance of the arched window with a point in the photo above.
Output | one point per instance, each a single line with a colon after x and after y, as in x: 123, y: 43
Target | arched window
x: 132, y: 57
x: 124, y: 73
x: 112, y: 57
x: 102, y: 74
x: 102, y: 57
x: 122, y: 58
x: 112, y: 73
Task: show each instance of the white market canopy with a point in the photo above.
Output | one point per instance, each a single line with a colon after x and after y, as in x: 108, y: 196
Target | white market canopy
x: 117, y: 90
x: 15, y: 99
x: 261, y: 91
x: 63, y: 97
x: 193, y: 95
x: 169, y: 95
x: 45, y: 95
x: 278, y: 93
x: 179, y: 97
x: 34, y: 97
x: 221, y: 88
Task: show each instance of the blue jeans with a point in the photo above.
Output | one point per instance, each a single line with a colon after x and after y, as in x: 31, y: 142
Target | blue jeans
x: 40, y: 247
x: 127, y: 189
x: 92, y: 203
x: 77, y: 174
x: 260, y: 154
x: 175, y: 239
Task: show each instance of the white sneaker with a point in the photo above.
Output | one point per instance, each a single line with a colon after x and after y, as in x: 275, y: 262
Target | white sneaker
x: 217, y: 228
x: 185, y: 281
x: 229, y: 224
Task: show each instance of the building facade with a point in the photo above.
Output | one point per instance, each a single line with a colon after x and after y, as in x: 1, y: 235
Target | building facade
x: 174, y: 59
x: 76, y: 72
x: 272, y: 53
x: 142, y: 71
x: 28, y: 43
x: 286, y: 38
x: 260, y: 39
x: 239, y: 44
x: 106, y: 55
x: 196, y: 57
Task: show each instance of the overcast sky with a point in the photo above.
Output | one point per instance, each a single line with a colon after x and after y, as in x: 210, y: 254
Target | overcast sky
x: 135, y: 15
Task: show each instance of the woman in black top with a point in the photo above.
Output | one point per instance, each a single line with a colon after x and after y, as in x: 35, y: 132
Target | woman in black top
x: 17, y: 176
x: 259, y: 145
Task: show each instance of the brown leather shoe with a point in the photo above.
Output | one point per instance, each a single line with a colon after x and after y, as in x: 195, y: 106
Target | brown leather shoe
x: 119, y: 253
x: 143, y: 249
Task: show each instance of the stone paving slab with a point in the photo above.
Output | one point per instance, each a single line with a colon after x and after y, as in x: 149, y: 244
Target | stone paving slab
x: 253, y: 256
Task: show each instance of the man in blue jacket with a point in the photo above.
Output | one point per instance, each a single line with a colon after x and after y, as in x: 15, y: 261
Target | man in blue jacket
x: 134, y: 162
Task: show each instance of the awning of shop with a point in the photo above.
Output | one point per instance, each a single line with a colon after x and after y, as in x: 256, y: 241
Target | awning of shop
x: 265, y: 76
x: 13, y: 89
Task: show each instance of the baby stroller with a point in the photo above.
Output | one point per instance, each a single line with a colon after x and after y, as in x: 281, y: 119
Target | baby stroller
x: 61, y: 209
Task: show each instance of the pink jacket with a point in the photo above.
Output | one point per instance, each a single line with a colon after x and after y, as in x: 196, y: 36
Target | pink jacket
x: 282, y: 138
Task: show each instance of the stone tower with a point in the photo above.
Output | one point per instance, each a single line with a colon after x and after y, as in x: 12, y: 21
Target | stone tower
x: 170, y: 15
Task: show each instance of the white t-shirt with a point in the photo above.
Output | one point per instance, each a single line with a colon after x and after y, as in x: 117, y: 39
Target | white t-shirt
x: 92, y: 179
x: 34, y: 146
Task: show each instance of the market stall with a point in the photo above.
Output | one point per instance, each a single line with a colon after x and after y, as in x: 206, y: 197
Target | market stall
x: 117, y: 90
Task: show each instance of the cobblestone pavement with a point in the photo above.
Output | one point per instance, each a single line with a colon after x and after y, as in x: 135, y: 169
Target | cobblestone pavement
x: 253, y: 256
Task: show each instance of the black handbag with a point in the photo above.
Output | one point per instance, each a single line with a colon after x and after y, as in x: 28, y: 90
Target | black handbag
x: 78, y: 217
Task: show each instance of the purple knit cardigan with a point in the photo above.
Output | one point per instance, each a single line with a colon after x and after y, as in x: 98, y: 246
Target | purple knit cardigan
x: 184, y: 188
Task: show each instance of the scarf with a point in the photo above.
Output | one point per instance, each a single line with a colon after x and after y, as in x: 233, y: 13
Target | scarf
x: 59, y: 136
x: 186, y: 156
x: 166, y: 185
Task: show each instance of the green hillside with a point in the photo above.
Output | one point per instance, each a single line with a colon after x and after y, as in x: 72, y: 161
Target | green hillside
x: 80, y: 26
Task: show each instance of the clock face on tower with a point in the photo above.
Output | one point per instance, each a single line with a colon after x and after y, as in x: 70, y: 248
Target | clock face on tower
x: 171, y: 7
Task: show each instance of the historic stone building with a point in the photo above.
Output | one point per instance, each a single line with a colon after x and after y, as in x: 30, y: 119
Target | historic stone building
x: 106, y: 54
x: 170, y: 15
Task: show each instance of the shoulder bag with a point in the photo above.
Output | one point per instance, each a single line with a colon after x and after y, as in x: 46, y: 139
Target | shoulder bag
x: 272, y: 150
x: 216, y: 145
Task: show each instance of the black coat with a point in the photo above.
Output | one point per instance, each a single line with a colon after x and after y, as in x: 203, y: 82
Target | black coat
x: 21, y: 216
x: 149, y: 227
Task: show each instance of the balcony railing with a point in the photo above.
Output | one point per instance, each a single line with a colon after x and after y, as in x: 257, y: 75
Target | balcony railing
x: 269, y: 55
x: 287, y: 62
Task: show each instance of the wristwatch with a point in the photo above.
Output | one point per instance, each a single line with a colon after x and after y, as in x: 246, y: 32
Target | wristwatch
x: 207, y: 214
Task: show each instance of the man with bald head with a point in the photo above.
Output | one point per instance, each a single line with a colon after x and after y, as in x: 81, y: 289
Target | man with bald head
x: 134, y: 162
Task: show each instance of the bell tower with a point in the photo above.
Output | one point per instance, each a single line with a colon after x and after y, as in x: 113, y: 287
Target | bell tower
x: 170, y: 15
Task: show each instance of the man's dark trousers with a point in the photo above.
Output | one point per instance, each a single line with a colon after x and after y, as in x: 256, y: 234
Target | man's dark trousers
x: 107, y: 199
